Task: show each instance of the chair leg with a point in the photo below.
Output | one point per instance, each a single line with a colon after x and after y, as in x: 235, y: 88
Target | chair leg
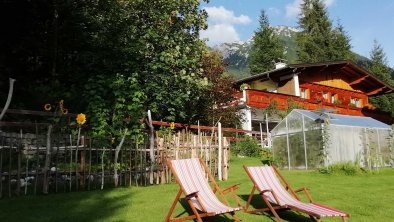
x: 271, y: 209
x: 198, y: 217
x: 249, y: 199
x: 236, y: 218
x: 344, y: 219
x: 173, y: 205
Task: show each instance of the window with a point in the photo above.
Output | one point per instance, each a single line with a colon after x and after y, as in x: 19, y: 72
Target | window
x: 355, y: 102
x: 333, y: 97
x: 304, y: 93
x: 325, y: 96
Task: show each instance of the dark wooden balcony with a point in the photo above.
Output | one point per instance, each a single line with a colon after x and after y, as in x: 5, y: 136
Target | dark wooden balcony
x: 263, y: 99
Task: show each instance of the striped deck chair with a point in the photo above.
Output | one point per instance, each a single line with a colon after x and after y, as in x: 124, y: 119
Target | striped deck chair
x: 276, y: 196
x: 191, y: 177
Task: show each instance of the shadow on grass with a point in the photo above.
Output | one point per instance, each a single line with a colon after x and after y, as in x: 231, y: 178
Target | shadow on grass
x: 188, y: 211
x: 257, y: 203
x: 76, y: 206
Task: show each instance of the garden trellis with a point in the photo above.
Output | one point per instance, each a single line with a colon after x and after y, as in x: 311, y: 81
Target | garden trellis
x: 311, y: 139
x: 24, y: 147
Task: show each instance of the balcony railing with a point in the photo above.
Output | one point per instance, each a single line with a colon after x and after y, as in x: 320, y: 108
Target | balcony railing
x: 263, y: 99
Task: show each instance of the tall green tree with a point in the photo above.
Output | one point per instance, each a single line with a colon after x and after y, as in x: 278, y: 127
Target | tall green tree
x: 319, y: 41
x: 168, y: 62
x: 379, y: 67
x: 266, y: 48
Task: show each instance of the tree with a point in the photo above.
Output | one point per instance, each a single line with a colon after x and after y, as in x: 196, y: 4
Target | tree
x: 216, y: 104
x: 379, y: 67
x: 319, y: 41
x: 266, y: 47
x: 341, y: 44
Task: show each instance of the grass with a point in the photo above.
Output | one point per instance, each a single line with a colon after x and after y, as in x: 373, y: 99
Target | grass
x: 366, y: 197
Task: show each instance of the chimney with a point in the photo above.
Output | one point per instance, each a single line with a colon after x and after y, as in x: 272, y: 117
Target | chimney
x: 280, y: 63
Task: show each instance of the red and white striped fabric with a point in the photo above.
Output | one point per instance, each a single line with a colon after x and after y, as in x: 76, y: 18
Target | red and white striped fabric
x: 266, y: 179
x: 192, y: 177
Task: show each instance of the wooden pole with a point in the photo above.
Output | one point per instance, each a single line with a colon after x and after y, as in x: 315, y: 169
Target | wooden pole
x: 102, y: 168
x: 37, y: 161
x: 1, y: 167
x: 71, y: 161
x: 268, y: 133
x: 82, y: 166
x: 220, y: 151
x: 261, y: 135
x: 47, y: 160
x: 130, y: 163
x: 56, y: 164
x: 151, y: 146
x: 90, y: 163
x: 19, y: 166
x: 76, y: 160
x: 117, y: 150
x: 9, y: 167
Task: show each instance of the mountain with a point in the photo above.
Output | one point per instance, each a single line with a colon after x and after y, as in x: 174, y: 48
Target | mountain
x: 236, y: 54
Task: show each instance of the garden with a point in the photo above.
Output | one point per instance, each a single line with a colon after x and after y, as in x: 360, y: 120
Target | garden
x: 363, y: 195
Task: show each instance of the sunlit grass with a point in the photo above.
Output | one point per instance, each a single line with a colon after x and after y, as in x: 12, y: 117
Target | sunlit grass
x: 366, y: 197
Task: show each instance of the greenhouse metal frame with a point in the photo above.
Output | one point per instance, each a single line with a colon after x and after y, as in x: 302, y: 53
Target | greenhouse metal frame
x: 311, y: 139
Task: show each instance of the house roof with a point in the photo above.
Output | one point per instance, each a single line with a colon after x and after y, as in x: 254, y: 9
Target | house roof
x: 358, y: 76
x: 344, y: 120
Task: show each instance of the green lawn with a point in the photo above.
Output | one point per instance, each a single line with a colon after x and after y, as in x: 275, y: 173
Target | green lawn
x: 365, y: 197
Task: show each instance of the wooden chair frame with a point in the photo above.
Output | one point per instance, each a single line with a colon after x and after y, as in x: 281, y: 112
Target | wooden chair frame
x: 196, y: 214
x: 273, y: 208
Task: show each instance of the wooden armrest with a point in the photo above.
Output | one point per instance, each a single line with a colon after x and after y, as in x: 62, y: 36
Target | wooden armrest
x: 301, y: 189
x: 191, y: 195
x: 233, y: 187
x: 306, y: 191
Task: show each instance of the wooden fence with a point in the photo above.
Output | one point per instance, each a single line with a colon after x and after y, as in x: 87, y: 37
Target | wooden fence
x: 28, y: 166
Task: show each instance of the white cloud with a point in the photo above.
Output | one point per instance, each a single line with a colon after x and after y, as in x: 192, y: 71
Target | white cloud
x: 222, y: 15
x: 221, y: 25
x: 329, y: 3
x: 294, y: 9
x: 220, y: 33
x: 273, y: 12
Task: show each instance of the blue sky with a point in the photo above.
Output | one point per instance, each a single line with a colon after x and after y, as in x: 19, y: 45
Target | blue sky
x: 364, y: 20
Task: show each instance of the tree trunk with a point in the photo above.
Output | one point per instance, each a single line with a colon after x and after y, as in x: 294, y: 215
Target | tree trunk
x: 7, y: 103
x: 47, y: 161
x: 116, y: 177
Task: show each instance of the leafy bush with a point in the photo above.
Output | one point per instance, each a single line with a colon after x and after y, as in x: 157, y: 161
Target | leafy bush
x: 266, y: 156
x: 246, y: 146
x: 347, y: 168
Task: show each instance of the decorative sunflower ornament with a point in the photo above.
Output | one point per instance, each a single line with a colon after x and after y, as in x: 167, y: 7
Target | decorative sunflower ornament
x: 81, y: 119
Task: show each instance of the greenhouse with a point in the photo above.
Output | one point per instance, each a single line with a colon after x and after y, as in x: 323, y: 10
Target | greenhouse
x: 311, y: 139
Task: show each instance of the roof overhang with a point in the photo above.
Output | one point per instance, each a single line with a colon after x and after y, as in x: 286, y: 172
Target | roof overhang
x: 358, y: 77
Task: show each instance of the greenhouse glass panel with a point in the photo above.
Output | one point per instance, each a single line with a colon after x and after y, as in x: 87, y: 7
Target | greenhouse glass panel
x: 297, y: 151
x: 314, y: 151
x: 385, y: 147
x: 279, y: 151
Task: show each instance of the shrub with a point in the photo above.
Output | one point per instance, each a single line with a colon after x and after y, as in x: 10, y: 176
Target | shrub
x: 347, y: 168
x: 266, y: 156
x: 246, y: 146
